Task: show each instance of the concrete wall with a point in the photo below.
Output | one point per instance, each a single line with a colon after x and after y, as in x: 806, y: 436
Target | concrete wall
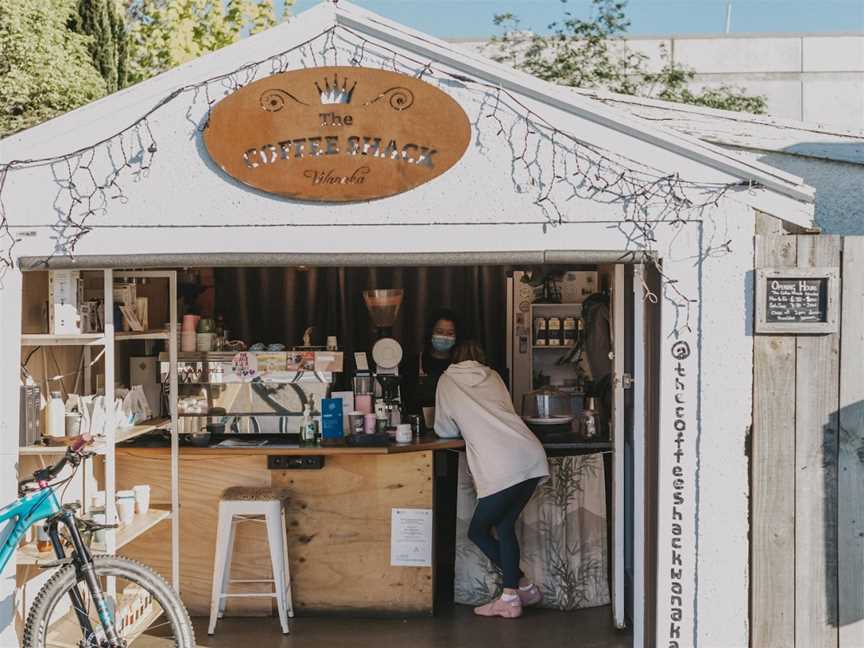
x: 817, y: 78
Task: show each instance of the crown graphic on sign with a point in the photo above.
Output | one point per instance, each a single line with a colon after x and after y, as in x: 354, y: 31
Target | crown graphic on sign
x: 333, y: 93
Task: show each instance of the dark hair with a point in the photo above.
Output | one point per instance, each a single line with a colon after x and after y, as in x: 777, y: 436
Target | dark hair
x: 468, y: 350
x: 442, y: 314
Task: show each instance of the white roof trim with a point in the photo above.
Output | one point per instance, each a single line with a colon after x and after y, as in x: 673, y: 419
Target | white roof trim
x: 790, y: 198
x: 564, y: 99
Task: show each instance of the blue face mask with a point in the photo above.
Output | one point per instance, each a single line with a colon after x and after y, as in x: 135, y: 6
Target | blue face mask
x: 442, y: 343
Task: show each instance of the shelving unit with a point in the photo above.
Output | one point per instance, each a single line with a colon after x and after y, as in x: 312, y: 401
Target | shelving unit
x: 105, y: 446
x: 28, y: 555
x: 544, y: 362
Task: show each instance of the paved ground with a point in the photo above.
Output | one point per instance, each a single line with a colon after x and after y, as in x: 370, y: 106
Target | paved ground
x: 455, y: 628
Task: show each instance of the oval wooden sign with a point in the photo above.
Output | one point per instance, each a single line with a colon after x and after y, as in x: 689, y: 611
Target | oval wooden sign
x: 337, y: 134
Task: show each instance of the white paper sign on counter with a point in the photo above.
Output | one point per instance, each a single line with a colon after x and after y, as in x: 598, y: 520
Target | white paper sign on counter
x: 410, y: 537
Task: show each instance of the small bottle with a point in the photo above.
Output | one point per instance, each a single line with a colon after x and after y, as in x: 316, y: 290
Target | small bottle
x: 308, y: 428
x: 569, y: 326
x: 540, y: 335
x: 553, y: 331
x: 589, y: 423
x: 43, y: 540
x: 55, y: 416
x: 305, y: 425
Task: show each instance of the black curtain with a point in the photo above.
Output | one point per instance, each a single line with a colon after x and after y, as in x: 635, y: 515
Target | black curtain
x: 277, y: 304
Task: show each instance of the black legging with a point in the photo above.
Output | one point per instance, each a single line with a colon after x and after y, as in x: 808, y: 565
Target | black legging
x: 501, y: 510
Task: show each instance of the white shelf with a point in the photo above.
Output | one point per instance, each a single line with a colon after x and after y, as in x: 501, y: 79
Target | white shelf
x: 27, y: 555
x: 88, y: 339
x: 558, y: 306
x: 120, y: 336
x: 121, y: 435
x: 125, y: 434
x: 47, y: 339
x: 37, y: 450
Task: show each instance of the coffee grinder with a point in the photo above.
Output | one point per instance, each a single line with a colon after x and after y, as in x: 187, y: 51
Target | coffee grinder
x: 383, y: 307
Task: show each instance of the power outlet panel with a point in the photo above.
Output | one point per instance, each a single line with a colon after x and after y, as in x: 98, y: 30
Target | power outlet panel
x: 295, y: 462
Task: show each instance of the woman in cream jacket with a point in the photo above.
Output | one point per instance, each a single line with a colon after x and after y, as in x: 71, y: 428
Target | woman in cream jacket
x: 506, y: 461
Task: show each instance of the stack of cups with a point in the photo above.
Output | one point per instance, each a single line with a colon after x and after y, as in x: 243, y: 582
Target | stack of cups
x: 404, y: 434
x: 142, y: 498
x: 188, y: 335
x: 126, y: 506
x: 369, y: 421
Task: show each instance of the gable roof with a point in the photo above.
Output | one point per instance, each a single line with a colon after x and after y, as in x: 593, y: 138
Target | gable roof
x: 741, y: 130
x: 781, y: 194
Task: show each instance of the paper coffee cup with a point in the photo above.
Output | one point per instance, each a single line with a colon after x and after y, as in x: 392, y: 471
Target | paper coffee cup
x: 126, y: 506
x: 142, y: 498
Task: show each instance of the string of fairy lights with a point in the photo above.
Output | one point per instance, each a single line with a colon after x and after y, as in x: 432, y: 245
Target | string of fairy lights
x: 549, y: 165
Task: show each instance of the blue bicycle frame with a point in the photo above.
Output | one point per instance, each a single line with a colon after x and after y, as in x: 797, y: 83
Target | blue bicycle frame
x: 21, y: 515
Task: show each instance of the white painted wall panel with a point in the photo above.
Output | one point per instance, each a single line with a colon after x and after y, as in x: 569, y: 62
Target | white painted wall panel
x: 10, y: 361
x: 834, y: 101
x: 833, y: 54
x: 783, y: 94
x: 719, y: 55
x: 725, y: 343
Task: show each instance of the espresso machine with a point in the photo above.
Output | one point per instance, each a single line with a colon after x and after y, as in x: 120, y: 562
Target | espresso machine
x: 383, y: 307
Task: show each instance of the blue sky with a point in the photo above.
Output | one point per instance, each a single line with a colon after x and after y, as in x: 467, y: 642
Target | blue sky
x: 473, y: 18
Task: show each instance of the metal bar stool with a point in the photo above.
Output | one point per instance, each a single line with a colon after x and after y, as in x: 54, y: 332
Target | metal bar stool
x: 263, y: 505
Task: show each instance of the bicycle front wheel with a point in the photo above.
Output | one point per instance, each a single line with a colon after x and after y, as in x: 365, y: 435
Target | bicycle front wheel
x: 144, y: 608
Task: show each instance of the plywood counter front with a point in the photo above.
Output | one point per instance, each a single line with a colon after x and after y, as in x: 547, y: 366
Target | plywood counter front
x: 338, y: 521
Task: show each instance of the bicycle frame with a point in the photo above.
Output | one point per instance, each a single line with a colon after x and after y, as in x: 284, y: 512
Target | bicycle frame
x: 21, y: 515
x: 43, y: 505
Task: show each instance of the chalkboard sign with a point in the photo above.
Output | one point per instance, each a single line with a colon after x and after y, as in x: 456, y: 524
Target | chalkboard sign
x: 796, y: 300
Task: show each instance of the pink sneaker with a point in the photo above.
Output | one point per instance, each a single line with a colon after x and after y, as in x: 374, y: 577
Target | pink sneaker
x: 500, y: 607
x: 531, y: 596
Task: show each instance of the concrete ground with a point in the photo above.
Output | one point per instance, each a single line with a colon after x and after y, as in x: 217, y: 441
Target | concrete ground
x: 453, y: 628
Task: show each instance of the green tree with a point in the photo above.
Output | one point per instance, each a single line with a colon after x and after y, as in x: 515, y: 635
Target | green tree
x: 592, y: 53
x: 103, y: 21
x: 167, y: 33
x: 45, y: 68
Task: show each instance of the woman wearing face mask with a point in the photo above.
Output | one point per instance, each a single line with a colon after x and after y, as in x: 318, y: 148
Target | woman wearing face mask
x: 421, y: 373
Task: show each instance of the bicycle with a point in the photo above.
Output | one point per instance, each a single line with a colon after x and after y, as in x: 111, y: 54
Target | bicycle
x: 73, y: 609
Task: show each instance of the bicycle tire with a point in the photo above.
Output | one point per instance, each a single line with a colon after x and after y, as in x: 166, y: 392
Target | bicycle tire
x: 65, y: 578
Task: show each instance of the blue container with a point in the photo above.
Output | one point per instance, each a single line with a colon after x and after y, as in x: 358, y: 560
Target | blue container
x: 331, y: 419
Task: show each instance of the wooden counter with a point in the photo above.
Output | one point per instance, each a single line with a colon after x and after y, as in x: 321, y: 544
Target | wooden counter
x: 424, y: 444
x: 338, y: 523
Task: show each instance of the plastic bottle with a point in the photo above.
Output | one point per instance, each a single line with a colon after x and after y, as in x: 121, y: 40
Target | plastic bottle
x: 308, y: 427
x: 55, y: 418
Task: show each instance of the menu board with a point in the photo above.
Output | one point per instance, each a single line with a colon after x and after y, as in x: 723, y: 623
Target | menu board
x: 799, y: 301
x: 796, y: 300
